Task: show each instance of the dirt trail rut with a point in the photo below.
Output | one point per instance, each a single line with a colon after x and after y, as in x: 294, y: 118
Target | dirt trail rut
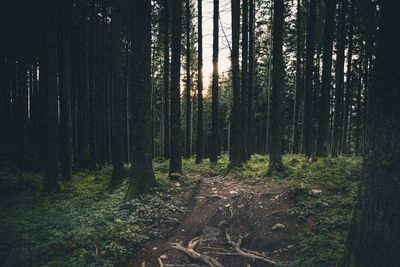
x: 258, y: 216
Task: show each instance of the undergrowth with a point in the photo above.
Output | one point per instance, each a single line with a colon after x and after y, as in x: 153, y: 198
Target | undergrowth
x: 87, y: 224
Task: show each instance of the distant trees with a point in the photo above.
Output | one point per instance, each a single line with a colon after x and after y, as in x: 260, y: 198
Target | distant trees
x: 276, y: 98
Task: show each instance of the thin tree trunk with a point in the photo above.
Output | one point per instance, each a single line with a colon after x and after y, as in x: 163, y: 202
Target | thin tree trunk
x: 310, y: 51
x: 215, y: 138
x: 244, y: 81
x: 175, y: 166
x: 188, y: 138
x: 323, y: 122
x: 339, y: 80
x: 236, y: 133
x: 166, y: 85
x: 200, y: 119
x: 250, y: 137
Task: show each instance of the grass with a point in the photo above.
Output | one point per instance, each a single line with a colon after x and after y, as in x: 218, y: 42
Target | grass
x: 87, y: 224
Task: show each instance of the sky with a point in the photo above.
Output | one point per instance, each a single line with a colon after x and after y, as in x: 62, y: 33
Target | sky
x: 224, y: 52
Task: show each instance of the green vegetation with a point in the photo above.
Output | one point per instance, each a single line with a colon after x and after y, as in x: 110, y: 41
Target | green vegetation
x: 87, y: 223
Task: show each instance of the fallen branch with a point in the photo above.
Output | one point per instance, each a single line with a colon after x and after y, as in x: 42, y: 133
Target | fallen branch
x: 160, y: 262
x: 210, y: 261
x: 274, y: 212
x: 250, y: 254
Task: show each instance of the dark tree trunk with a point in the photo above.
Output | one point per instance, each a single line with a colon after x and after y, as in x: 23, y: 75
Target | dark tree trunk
x: 250, y: 137
x: 275, y: 162
x: 118, y: 96
x: 236, y: 133
x: 200, y: 119
x: 339, y: 79
x: 349, y: 84
x: 188, y: 138
x: 374, y: 227
x: 166, y: 87
x: 65, y: 92
x: 299, y: 83
x: 244, y: 77
x: 92, y: 88
x: 142, y: 177
x: 49, y: 73
x: 358, y: 133
x: 175, y: 166
x: 215, y: 142
x: 310, y: 51
x: 323, y: 121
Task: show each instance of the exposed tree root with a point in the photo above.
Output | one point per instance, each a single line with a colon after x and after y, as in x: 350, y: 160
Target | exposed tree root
x: 250, y: 254
x: 210, y: 261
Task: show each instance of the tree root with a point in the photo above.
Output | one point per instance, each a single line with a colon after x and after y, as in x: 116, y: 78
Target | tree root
x: 210, y: 261
x: 250, y: 254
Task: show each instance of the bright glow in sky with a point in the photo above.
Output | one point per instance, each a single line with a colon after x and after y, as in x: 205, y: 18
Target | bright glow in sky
x: 224, y: 52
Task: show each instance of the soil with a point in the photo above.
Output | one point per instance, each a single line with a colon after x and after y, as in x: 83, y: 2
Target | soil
x: 258, y: 214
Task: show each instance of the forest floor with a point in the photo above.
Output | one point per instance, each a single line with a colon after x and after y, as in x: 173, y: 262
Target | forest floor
x: 213, y: 212
x: 221, y: 209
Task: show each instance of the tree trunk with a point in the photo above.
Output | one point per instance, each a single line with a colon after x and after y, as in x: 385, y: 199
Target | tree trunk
x: 65, y: 92
x: 236, y: 133
x: 250, y: 137
x: 349, y: 84
x: 166, y: 85
x: 200, y: 119
x: 244, y: 81
x: 275, y: 162
x: 142, y: 177
x: 215, y: 140
x: 323, y: 121
x: 188, y: 138
x: 118, y: 96
x: 310, y: 51
x: 299, y: 83
x: 175, y: 165
x: 339, y: 79
x: 374, y: 227
x: 49, y: 73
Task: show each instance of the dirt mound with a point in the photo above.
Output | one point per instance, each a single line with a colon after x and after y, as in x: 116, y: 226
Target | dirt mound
x: 228, y: 223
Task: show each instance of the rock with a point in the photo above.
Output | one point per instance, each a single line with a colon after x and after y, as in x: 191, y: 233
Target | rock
x: 155, y: 248
x: 278, y: 226
x: 164, y: 257
x: 233, y: 192
x: 316, y: 191
x: 290, y: 246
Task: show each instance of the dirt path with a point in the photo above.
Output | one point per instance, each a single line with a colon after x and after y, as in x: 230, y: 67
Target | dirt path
x: 258, y: 215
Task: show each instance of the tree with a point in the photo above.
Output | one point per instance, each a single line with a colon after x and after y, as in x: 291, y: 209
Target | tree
x: 323, y: 120
x: 49, y: 74
x: 275, y: 162
x: 118, y: 96
x: 236, y: 133
x: 65, y: 91
x: 339, y: 79
x: 200, y: 115
x: 175, y: 164
x: 214, y: 142
x: 166, y: 84
x: 188, y: 138
x: 310, y: 51
x: 142, y: 177
x: 374, y: 227
x: 299, y: 82
x: 250, y: 80
x: 244, y: 77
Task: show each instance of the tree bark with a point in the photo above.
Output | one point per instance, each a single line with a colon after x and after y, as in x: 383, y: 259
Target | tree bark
x: 250, y: 137
x: 166, y: 83
x: 200, y: 108
x: 310, y: 51
x: 175, y: 165
x: 215, y: 138
x: 323, y: 121
x: 236, y: 133
x: 275, y: 161
x: 374, y: 227
x: 338, y: 120
x: 244, y: 81
x: 142, y: 177
x: 188, y: 139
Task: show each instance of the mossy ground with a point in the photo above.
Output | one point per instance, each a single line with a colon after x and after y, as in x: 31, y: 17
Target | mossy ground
x: 88, y: 224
